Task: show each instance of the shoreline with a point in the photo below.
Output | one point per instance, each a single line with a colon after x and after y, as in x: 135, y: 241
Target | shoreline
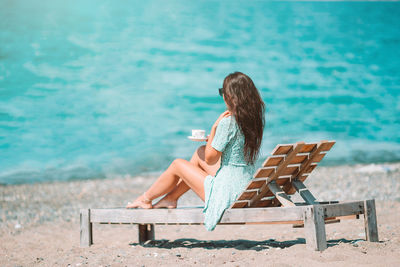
x: 387, y: 166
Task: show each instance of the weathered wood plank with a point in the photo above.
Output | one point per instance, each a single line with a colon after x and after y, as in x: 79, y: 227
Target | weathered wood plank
x: 343, y: 209
x: 314, y: 227
x: 256, y: 183
x: 273, y: 161
x: 248, y: 194
x: 280, y: 195
x: 262, y: 215
x: 173, y: 216
x: 304, y: 192
x: 264, y: 172
x: 289, y: 170
x: 326, y: 146
x: 143, y: 216
x: 371, y: 225
x: 307, y: 148
x: 282, y: 149
x: 310, y: 168
x: 240, y: 204
x: 299, y: 158
x: 318, y: 157
x: 86, y: 237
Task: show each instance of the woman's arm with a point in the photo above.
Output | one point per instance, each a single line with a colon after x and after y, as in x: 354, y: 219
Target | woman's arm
x: 211, y: 154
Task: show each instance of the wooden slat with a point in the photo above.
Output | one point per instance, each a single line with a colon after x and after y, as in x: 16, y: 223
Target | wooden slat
x: 273, y: 161
x: 291, y: 154
x: 262, y: 215
x: 343, y: 209
x: 326, y: 146
x: 318, y: 157
x: 282, y: 149
x: 281, y: 181
x: 289, y: 170
x: 299, y: 158
x: 264, y: 172
x: 307, y: 148
x: 256, y: 183
x: 310, y: 168
x: 174, y: 216
x: 239, y: 204
x: 247, y: 195
x: 143, y: 216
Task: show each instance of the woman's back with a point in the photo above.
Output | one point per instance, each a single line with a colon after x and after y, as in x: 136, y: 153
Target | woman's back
x: 223, y: 189
x: 233, y: 153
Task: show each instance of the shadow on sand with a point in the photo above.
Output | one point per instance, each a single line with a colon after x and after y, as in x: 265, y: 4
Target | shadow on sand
x: 239, y: 244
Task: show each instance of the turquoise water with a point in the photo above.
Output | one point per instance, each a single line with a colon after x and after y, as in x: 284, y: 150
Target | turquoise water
x: 106, y: 89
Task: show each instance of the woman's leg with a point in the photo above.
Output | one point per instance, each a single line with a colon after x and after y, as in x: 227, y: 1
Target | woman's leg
x: 198, y: 159
x: 192, y: 175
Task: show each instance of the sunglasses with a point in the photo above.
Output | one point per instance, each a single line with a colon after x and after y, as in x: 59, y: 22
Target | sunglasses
x: 221, y: 91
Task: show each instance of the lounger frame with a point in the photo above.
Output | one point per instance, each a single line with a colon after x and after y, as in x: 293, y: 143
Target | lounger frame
x: 313, y: 217
x: 265, y: 200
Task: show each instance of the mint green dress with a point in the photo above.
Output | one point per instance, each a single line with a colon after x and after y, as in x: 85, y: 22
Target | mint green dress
x: 232, y: 177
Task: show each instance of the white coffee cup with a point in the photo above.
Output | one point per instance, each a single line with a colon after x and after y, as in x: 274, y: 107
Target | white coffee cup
x: 199, y: 134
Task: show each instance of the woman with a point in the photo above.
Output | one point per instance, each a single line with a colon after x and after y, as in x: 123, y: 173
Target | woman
x: 219, y: 171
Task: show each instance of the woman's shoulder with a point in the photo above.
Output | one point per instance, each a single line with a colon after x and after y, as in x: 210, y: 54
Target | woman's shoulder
x: 226, y: 120
x: 228, y: 123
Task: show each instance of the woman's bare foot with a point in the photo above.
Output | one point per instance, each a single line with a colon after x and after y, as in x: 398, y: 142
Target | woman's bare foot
x: 166, y: 203
x: 141, y: 202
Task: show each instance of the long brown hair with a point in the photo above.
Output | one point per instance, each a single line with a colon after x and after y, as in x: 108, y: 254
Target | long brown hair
x: 247, y: 107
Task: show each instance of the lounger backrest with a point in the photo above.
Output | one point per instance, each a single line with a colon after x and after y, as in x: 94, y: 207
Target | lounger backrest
x: 287, y: 162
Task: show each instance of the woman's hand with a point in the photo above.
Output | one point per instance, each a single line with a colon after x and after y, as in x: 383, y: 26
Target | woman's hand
x: 224, y: 114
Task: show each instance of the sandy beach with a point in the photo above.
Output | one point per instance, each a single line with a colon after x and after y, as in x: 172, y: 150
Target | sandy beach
x: 39, y: 226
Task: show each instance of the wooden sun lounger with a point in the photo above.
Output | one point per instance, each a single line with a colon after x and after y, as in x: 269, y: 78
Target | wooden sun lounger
x: 266, y: 200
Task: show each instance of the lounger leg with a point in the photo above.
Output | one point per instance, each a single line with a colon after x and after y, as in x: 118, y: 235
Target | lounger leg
x: 314, y: 227
x: 371, y: 228
x: 146, y: 232
x: 86, y: 228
